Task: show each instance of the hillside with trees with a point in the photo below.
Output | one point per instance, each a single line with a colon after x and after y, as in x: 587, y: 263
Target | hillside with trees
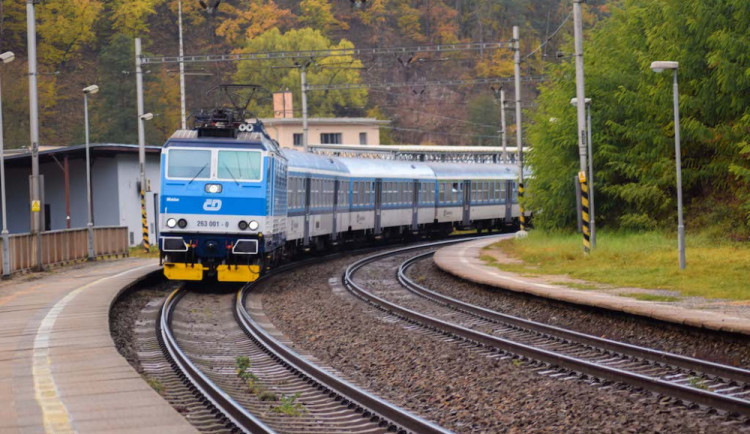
x: 91, y: 41
x: 633, y: 127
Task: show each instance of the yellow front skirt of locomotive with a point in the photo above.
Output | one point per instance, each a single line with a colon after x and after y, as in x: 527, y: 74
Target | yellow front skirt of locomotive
x: 237, y: 273
x: 224, y: 273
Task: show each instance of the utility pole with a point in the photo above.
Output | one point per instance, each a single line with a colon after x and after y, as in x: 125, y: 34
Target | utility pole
x: 581, y: 109
x: 141, y: 141
x: 305, y: 131
x: 519, y: 132
x: 182, y: 67
x: 36, y: 204
x: 502, y: 124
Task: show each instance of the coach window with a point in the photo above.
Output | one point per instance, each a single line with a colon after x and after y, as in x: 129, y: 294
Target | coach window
x: 362, y: 199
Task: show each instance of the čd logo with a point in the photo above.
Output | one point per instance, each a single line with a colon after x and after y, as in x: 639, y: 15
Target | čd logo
x: 212, y: 205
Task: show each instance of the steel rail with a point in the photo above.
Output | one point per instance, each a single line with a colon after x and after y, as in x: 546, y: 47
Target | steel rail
x: 684, y: 362
x: 697, y: 396
x: 232, y: 410
x: 370, y: 404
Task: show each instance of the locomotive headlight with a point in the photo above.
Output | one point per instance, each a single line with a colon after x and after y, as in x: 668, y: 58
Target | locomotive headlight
x: 242, y: 225
x: 171, y: 223
x: 253, y: 225
x: 213, y: 188
x: 182, y: 223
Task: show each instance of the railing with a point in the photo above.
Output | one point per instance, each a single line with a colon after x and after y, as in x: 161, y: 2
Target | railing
x: 59, y: 247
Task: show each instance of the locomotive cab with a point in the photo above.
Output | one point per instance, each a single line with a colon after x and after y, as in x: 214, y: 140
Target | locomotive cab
x: 217, y: 204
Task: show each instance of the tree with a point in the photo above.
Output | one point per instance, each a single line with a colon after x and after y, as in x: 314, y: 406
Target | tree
x: 331, y: 70
x: 249, y: 19
x: 484, y: 120
x: 633, y: 126
x: 317, y: 14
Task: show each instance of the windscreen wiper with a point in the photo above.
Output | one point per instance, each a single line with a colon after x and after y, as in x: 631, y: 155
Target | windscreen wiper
x: 199, y: 172
x: 231, y: 174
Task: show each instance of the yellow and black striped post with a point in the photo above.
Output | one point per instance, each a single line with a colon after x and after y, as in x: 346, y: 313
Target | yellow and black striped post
x: 585, y: 212
x: 144, y: 222
x: 522, y: 217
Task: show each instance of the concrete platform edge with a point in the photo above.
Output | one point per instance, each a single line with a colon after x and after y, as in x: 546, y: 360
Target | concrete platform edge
x: 463, y: 261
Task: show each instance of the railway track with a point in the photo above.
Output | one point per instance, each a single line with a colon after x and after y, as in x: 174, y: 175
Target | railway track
x: 320, y: 401
x: 696, y: 381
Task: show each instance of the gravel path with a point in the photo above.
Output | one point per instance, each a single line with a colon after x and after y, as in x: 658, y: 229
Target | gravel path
x: 720, y: 348
x: 452, y: 383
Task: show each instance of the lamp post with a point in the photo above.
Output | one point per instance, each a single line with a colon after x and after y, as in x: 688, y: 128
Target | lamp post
x: 89, y: 90
x: 658, y: 67
x: 574, y: 102
x: 6, y: 57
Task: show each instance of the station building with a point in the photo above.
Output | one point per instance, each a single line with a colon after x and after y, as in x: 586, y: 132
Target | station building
x: 115, y: 175
x: 287, y: 130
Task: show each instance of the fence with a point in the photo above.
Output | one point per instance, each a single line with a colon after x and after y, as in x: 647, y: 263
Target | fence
x: 69, y: 245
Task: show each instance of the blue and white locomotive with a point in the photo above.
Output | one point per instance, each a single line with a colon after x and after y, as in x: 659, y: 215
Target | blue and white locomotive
x: 233, y: 204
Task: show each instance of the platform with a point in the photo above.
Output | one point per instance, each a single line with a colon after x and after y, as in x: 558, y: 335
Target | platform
x: 463, y: 260
x: 59, y: 368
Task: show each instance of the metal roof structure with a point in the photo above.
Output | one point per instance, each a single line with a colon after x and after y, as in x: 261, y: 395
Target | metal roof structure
x: 454, y: 154
x: 75, y: 151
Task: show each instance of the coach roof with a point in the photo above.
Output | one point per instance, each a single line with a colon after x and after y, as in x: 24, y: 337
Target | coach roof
x: 474, y: 171
x: 313, y: 163
x: 374, y: 168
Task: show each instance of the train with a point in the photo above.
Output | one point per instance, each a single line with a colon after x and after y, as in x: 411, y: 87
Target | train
x: 233, y: 204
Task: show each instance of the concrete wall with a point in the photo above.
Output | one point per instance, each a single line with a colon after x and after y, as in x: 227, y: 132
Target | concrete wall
x: 130, y: 199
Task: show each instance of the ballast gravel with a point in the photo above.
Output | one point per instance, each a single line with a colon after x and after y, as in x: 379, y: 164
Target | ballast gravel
x: 733, y: 350
x: 452, y: 383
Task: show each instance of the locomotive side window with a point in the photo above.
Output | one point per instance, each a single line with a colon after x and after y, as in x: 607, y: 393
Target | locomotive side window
x: 239, y: 165
x: 183, y: 163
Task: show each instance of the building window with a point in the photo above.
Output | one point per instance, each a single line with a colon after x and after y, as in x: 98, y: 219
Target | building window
x: 330, y: 138
x: 362, y: 138
x: 297, y: 139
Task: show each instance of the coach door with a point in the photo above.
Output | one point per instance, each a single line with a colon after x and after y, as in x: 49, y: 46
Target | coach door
x: 415, y: 206
x: 334, y: 232
x: 508, y: 201
x: 467, y: 203
x: 308, y: 185
x: 378, y: 205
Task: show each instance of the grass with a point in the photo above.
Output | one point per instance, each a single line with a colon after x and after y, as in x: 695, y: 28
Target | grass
x: 156, y: 385
x: 289, y: 406
x: 651, y: 297
x: 641, y: 260
x: 139, y: 252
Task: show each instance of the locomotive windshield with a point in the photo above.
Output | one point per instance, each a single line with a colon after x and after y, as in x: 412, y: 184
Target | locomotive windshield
x: 193, y: 164
x: 239, y: 165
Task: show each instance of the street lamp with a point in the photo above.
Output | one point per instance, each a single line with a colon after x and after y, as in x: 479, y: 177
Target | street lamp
x: 587, y: 101
x: 6, y: 57
x: 659, y: 67
x: 89, y: 90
